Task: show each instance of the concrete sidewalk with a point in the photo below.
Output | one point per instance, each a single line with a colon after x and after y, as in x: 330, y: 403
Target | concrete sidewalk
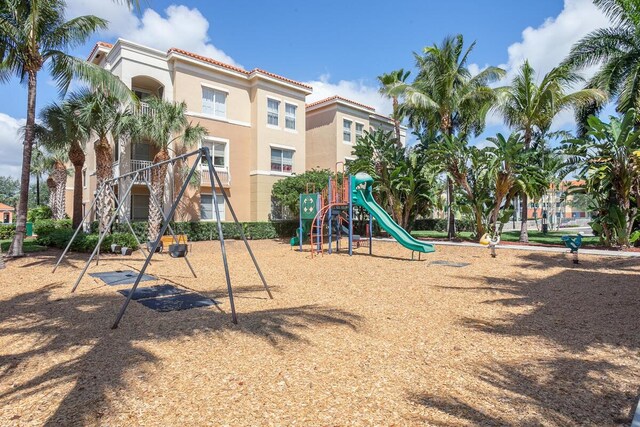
x: 519, y: 247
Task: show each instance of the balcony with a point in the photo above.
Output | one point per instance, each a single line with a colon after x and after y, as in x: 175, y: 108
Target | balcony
x: 223, y: 174
x: 123, y: 167
x: 144, y: 110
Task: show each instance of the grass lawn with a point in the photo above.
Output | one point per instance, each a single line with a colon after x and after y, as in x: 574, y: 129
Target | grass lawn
x: 551, y: 238
x: 30, y: 245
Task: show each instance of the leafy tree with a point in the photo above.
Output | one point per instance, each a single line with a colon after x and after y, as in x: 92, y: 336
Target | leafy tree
x: 9, y: 188
x: 402, y: 180
x: 447, y: 97
x: 617, y: 50
x: 286, y: 192
x: 608, y: 159
x: 529, y: 108
x: 165, y: 125
x: 34, y: 33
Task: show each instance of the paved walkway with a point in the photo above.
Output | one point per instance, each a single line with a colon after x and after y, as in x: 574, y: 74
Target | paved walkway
x: 556, y: 249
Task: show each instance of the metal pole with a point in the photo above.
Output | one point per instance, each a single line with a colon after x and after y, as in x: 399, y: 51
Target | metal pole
x: 223, y: 249
x: 300, y: 231
x: 330, y: 212
x: 156, y: 243
x: 78, y: 229
x: 175, y: 239
x: 126, y: 220
x: 318, y: 236
x: 164, y: 162
x: 102, y: 236
x: 350, y: 218
x: 370, y: 233
x: 235, y: 218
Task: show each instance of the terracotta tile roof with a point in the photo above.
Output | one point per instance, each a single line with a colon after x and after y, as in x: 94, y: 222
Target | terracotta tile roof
x: 237, y: 69
x: 340, y: 98
x: 97, y: 45
x: 4, y: 207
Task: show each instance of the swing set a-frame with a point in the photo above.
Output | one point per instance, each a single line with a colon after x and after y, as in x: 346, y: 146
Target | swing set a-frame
x: 201, y: 155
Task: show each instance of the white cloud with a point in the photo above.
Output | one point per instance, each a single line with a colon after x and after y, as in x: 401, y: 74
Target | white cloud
x: 355, y: 90
x: 179, y: 26
x: 10, y: 145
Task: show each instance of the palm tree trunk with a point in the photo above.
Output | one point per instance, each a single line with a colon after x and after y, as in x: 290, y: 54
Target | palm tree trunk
x: 37, y: 189
x: 51, y: 184
x: 524, y: 199
x: 77, y: 158
x: 396, y: 122
x: 60, y: 178
x: 158, y: 176
x: 15, y: 249
x: 451, y: 220
x: 104, y: 172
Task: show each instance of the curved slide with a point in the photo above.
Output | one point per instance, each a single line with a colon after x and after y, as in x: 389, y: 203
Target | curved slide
x: 364, y: 199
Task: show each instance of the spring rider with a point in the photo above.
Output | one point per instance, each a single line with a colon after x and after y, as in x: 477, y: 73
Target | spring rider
x: 490, y: 242
x: 573, y: 244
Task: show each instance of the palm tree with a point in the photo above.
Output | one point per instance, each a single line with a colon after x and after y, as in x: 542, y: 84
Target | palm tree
x: 38, y: 168
x: 445, y: 96
x: 104, y: 115
x: 391, y: 86
x: 529, y: 107
x: 617, y: 50
x: 66, y: 132
x: 163, y: 126
x: 32, y: 34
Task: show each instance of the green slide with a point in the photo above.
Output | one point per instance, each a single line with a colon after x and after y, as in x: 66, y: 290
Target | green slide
x: 361, y: 191
x: 306, y: 228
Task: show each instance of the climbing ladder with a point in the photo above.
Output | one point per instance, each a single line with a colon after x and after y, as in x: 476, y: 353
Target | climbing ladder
x: 336, y: 195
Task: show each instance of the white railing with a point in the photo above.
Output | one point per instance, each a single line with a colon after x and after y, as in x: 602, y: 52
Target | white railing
x: 144, y: 109
x: 223, y: 174
x: 120, y: 168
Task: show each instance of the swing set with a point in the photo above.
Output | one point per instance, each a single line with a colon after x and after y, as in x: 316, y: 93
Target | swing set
x: 201, y: 155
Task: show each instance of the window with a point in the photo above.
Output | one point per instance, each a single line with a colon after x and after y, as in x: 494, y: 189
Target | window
x: 281, y: 160
x: 346, y: 130
x: 218, y: 153
x: 272, y: 111
x: 207, y: 211
x: 141, y: 151
x: 214, y: 102
x: 290, y: 116
x: 359, y: 129
x: 84, y: 178
x: 139, y: 207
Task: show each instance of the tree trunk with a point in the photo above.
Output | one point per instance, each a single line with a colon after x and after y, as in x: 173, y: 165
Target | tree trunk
x: 60, y: 179
x: 396, y: 121
x: 15, y: 249
x: 51, y: 184
x: 524, y: 199
x: 77, y: 158
x: 38, y: 189
x: 158, y: 176
x: 451, y: 220
x: 104, y: 172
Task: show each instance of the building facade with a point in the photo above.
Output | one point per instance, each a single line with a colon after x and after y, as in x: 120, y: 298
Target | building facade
x: 333, y: 126
x: 259, y: 130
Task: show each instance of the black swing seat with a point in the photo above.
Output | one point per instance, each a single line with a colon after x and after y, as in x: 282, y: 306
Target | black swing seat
x: 178, y: 250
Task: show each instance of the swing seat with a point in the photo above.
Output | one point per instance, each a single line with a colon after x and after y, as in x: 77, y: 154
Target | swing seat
x: 159, y: 249
x: 178, y: 250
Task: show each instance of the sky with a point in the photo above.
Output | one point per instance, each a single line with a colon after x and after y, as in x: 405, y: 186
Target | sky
x: 338, y: 47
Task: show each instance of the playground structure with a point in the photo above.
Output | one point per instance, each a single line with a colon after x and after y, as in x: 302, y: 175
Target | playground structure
x: 573, y: 243
x: 330, y: 214
x: 490, y: 242
x: 178, y: 249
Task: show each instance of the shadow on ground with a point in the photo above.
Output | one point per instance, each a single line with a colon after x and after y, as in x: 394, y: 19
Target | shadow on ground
x: 588, y: 314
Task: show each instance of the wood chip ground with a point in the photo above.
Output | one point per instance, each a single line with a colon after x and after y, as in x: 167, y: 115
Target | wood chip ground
x: 526, y: 338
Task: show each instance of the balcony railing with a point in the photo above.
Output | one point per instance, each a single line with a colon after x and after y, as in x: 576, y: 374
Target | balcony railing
x: 144, y: 109
x: 223, y: 174
x: 122, y: 167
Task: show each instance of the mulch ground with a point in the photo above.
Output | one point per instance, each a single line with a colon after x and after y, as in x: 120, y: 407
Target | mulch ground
x: 523, y: 339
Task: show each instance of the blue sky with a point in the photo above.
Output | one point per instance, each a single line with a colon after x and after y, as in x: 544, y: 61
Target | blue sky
x: 337, y: 47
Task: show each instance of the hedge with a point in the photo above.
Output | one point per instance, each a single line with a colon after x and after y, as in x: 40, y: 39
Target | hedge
x: 440, y: 224
x: 7, y: 231
x: 59, y: 238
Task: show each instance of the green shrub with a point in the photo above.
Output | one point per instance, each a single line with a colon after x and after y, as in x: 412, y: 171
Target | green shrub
x: 39, y: 212
x: 122, y: 239
x: 259, y: 230
x: 7, y: 231
x: 440, y: 224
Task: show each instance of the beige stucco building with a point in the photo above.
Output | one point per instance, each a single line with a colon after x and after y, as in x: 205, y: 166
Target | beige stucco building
x: 255, y: 125
x: 333, y: 126
x: 259, y: 130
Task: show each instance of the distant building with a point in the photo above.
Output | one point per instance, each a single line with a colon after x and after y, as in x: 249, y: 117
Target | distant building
x: 6, y: 213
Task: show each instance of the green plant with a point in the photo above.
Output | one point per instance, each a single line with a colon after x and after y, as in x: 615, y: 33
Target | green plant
x: 40, y: 212
x: 7, y: 231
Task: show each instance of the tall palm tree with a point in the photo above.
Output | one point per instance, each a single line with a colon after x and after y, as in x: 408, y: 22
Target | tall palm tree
x: 163, y: 126
x: 391, y: 86
x: 446, y: 96
x: 530, y: 107
x: 38, y: 169
x: 65, y: 132
x: 32, y: 34
x: 617, y: 50
x: 105, y: 116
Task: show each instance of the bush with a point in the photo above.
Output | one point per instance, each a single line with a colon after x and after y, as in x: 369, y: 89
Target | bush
x: 440, y: 224
x: 122, y: 239
x: 7, y: 231
x: 39, y: 212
